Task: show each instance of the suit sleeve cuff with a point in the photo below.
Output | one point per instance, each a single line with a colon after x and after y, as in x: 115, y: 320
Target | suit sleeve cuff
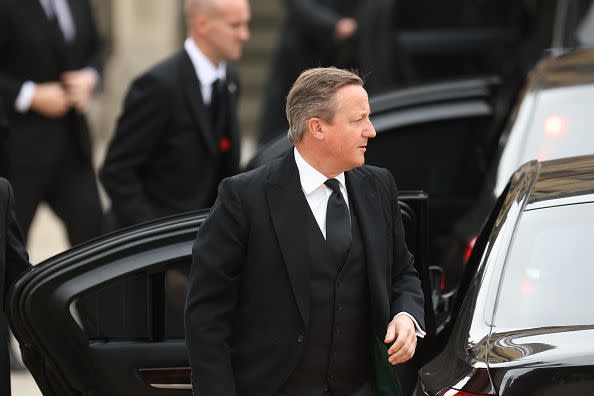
x: 25, y: 97
x: 418, y: 330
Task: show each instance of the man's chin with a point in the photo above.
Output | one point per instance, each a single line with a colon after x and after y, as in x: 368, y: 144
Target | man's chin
x: 359, y: 163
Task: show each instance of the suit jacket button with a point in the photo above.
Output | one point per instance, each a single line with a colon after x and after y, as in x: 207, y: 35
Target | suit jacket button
x: 300, y: 338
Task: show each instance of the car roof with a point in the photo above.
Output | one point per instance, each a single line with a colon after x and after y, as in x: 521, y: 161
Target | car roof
x: 575, y: 67
x: 556, y: 182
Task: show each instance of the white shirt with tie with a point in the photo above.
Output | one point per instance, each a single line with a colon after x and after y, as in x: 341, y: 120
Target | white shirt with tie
x: 206, y: 71
x: 317, y: 195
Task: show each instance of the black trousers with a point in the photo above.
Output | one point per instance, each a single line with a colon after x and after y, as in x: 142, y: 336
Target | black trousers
x: 59, y: 174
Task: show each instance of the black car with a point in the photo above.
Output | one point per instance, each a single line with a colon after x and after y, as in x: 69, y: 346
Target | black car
x: 552, y: 119
x: 524, y: 322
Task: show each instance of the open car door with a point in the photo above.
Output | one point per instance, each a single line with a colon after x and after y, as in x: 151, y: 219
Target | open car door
x: 106, y: 318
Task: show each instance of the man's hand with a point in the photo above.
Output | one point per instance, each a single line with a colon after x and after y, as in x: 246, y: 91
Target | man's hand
x: 50, y: 100
x: 345, y: 28
x: 401, y: 329
x: 79, y: 85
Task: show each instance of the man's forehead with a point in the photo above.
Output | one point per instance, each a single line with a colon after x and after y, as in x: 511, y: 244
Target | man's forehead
x: 352, y: 96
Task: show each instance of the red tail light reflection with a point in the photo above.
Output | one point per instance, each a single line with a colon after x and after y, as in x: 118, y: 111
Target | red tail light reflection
x: 527, y: 287
x: 555, y: 125
x: 468, y: 249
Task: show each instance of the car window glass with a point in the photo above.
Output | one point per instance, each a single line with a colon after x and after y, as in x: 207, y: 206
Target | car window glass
x: 562, y: 124
x: 143, y: 306
x: 116, y: 310
x: 548, y: 274
x: 176, y: 287
x: 561, y: 127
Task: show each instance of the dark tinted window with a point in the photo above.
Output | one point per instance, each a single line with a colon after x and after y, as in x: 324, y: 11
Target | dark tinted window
x: 143, y: 306
x: 176, y: 287
x: 117, y: 310
x: 549, y: 271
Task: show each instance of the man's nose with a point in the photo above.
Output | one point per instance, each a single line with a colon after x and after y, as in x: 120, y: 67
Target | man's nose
x: 369, y: 131
x: 244, y: 35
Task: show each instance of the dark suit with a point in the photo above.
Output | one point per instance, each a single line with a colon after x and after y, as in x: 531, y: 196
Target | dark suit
x: 4, y: 143
x: 308, y: 40
x: 13, y: 262
x: 165, y: 156
x: 50, y: 158
x: 248, y: 305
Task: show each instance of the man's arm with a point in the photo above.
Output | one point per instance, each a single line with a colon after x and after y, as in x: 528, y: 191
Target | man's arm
x: 406, y: 294
x: 80, y: 84
x: 147, y: 112
x: 17, y: 260
x: 218, y: 255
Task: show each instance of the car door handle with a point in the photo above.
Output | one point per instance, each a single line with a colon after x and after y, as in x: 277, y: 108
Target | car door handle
x: 177, y: 378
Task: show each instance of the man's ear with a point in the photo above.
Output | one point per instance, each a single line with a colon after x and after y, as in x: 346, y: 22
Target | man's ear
x: 200, y: 23
x: 315, y: 127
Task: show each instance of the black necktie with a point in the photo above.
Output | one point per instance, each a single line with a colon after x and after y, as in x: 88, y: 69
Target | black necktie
x: 338, y: 224
x: 217, y: 107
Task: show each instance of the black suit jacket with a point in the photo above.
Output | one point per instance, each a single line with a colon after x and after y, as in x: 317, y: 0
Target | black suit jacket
x: 164, y: 154
x: 31, y: 50
x: 4, y: 143
x: 13, y: 262
x: 247, y: 308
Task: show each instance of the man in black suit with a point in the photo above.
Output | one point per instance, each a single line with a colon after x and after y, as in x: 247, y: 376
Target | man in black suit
x: 352, y: 34
x: 4, y: 143
x: 13, y: 262
x: 178, y: 135
x: 300, y: 274
x: 50, y: 66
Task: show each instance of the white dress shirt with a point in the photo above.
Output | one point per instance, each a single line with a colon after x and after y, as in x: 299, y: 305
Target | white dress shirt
x: 206, y: 71
x: 316, y: 192
x: 317, y: 195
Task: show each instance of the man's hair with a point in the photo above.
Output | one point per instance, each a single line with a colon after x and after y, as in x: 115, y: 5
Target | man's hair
x: 314, y: 95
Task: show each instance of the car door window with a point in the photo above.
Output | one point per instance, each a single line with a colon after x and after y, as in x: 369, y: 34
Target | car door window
x: 116, y: 310
x: 548, y: 276
x: 143, y: 306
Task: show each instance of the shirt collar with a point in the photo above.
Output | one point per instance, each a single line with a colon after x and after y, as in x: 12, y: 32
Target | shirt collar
x: 206, y: 71
x: 311, y: 178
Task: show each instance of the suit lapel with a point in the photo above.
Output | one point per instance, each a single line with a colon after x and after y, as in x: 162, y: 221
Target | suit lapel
x: 48, y: 30
x: 289, y: 212
x: 192, y: 92
x: 367, y: 204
